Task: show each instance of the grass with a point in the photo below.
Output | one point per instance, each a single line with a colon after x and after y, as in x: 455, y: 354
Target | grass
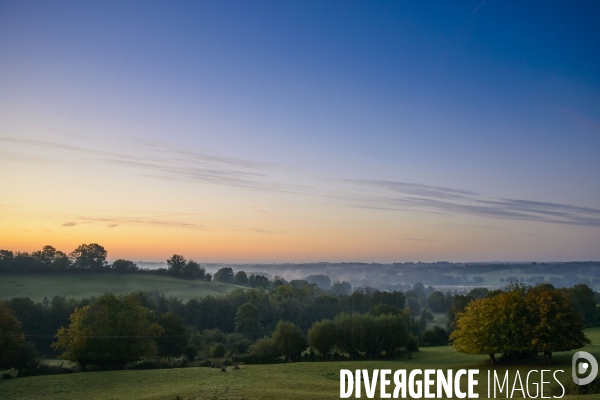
x: 78, y: 286
x: 318, y: 380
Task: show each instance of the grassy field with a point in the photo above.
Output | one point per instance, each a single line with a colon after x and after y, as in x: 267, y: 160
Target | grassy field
x: 78, y: 286
x: 291, y: 381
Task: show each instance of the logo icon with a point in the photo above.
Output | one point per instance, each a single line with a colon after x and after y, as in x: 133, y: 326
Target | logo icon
x: 582, y: 367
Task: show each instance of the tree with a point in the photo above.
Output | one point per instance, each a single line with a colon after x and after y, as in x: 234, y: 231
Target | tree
x: 217, y: 350
x: 224, y: 275
x: 237, y: 343
x: 289, y: 339
x: 248, y: 320
x: 437, y: 302
x: 553, y: 323
x: 479, y: 293
x: 193, y: 270
x: 323, y: 281
x: 322, y: 336
x: 174, y: 339
x: 176, y: 264
x: 393, y: 332
x: 258, y: 281
x: 412, y: 345
x: 518, y: 322
x: 424, y: 319
x: 89, y: 256
x: 478, y: 330
x: 341, y: 288
x: 124, y: 266
x: 190, y: 351
x: 45, y: 257
x: 11, y: 337
x: 435, y: 337
x: 459, y: 303
x: 111, y: 331
x: 412, y: 302
x: 240, y: 278
x: 264, y: 350
x: 583, y: 300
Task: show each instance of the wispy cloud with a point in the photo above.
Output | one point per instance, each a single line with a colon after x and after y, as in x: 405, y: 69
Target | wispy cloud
x: 167, y: 161
x: 453, y: 201
x: 69, y: 224
x: 175, y: 163
x: 116, y: 221
x: 418, y: 240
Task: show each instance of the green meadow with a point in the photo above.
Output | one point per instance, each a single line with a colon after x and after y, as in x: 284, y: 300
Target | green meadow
x: 79, y: 286
x: 311, y: 380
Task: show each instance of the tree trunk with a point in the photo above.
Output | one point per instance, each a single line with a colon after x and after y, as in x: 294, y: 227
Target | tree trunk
x: 493, y: 358
x: 547, y: 357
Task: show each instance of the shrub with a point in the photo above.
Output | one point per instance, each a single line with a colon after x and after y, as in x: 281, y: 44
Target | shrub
x: 218, y: 350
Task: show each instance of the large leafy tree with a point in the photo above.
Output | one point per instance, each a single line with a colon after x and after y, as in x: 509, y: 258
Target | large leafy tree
x: 224, y: 275
x: 289, y: 340
x: 89, y: 256
x: 322, y: 336
x: 123, y: 266
x: 553, y: 324
x: 193, y: 270
x: 110, y: 332
x: 519, y: 321
x: 584, y: 302
x: 478, y: 329
x: 437, y: 302
x: 240, y: 278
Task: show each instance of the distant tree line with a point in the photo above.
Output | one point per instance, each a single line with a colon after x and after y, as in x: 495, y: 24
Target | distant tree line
x: 92, y: 258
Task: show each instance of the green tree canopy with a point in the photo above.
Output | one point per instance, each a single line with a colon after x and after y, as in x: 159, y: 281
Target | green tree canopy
x: 111, y: 331
x: 193, y: 270
x: 437, y: 302
x: 224, y: 275
x: 289, y: 339
x: 248, y: 320
x: 176, y: 264
x: 322, y: 336
x: 89, y: 256
x: 124, y: 266
x: 240, y: 278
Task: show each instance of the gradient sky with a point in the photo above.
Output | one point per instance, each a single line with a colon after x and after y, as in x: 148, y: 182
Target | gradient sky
x: 255, y: 131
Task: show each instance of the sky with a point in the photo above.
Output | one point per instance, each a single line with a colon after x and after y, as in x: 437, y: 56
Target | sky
x: 270, y: 131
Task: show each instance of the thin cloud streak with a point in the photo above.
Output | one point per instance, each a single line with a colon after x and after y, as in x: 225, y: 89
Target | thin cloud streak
x: 170, y: 162
x: 446, y: 200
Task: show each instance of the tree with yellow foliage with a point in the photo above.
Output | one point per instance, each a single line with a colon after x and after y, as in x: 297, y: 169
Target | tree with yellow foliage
x: 520, y: 321
x: 110, y: 332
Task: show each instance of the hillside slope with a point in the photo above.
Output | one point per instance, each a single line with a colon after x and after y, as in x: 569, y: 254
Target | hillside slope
x: 78, y: 286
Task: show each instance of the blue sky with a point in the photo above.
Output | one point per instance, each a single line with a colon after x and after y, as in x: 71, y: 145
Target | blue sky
x: 347, y: 108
